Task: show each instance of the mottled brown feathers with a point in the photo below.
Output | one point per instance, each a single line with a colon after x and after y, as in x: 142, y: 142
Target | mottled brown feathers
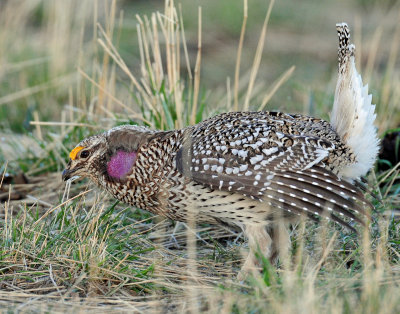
x: 275, y: 158
x: 252, y: 170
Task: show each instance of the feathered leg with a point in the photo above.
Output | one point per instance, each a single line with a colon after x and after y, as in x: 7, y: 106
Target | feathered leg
x: 259, y: 241
x: 280, y: 241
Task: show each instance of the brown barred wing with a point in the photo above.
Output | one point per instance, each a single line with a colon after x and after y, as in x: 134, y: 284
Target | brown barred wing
x: 284, y: 171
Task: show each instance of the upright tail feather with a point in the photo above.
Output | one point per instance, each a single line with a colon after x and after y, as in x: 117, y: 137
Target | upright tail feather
x: 353, y: 115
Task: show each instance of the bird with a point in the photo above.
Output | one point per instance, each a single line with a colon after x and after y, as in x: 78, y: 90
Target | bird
x: 254, y: 171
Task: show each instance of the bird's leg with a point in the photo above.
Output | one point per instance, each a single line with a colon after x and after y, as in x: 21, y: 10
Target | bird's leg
x: 259, y: 241
x: 280, y: 241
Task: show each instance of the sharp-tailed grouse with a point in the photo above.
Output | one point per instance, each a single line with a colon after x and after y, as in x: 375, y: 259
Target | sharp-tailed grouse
x: 252, y: 170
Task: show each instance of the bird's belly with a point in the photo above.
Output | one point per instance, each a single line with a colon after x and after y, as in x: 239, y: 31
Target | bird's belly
x: 200, y: 203
x: 214, y: 206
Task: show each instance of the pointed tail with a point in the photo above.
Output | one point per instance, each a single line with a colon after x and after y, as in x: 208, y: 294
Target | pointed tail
x: 353, y: 115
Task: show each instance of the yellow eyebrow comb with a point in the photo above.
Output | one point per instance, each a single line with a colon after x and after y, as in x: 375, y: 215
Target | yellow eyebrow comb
x: 75, y: 151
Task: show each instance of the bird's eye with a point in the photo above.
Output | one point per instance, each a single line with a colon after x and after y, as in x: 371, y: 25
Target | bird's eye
x: 85, y: 154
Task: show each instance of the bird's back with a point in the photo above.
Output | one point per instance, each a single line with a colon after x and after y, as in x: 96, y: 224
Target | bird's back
x: 268, y: 159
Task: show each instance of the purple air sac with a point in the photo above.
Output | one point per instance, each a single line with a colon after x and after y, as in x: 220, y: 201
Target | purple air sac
x: 121, y: 164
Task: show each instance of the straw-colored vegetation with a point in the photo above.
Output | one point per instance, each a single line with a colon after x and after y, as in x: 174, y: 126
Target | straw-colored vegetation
x: 69, y: 69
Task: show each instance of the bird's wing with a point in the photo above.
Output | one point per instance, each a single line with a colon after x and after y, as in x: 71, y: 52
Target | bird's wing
x: 261, y: 162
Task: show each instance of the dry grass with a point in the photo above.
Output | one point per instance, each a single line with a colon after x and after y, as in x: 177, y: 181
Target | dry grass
x: 76, y: 250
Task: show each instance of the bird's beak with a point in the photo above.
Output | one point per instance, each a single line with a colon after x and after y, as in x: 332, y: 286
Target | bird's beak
x: 67, y: 174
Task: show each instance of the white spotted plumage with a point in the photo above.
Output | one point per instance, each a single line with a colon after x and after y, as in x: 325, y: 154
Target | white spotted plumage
x: 248, y: 169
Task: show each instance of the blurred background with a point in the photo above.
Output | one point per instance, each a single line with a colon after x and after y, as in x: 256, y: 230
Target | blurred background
x: 43, y: 43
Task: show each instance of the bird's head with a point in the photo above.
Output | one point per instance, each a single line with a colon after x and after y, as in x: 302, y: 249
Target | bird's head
x: 111, y: 154
x: 84, y: 159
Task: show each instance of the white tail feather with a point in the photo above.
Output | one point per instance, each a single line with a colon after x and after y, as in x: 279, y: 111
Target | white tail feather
x: 353, y: 115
